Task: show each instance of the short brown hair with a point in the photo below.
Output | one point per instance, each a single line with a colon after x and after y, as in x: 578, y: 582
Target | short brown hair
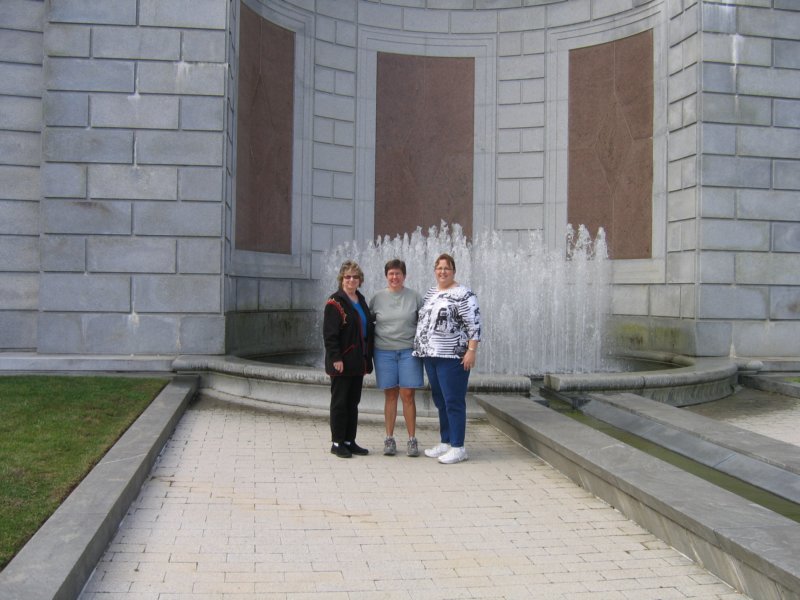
x: 395, y: 263
x: 451, y: 262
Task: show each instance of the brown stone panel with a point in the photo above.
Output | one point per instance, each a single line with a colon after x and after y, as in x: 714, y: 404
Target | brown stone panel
x: 264, y: 136
x: 590, y: 70
x: 612, y: 144
x: 633, y: 225
x: 633, y: 82
x: 424, y: 136
x: 610, y: 157
x: 590, y: 196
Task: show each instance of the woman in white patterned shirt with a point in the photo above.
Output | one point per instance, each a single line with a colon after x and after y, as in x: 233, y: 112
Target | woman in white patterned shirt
x: 447, y: 337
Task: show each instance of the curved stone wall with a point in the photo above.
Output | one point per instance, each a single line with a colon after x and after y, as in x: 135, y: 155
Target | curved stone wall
x: 119, y: 237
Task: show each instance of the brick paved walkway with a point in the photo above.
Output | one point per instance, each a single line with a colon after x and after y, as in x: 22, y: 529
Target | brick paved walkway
x: 247, y: 503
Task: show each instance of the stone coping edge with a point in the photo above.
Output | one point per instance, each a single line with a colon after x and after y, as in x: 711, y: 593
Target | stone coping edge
x: 689, y: 371
x: 242, y: 367
x: 753, y: 549
x: 28, y: 362
x: 758, y: 447
x: 58, y: 560
x: 772, y: 383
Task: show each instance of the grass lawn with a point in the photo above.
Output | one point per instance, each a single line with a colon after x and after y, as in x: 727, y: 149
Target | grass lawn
x: 53, y: 430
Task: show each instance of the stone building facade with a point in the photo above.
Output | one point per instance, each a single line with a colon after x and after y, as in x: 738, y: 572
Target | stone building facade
x: 118, y: 164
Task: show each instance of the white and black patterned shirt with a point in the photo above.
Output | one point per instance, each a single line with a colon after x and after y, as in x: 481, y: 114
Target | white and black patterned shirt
x: 447, y: 320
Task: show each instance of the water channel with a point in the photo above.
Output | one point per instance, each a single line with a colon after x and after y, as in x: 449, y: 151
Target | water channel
x: 771, y: 414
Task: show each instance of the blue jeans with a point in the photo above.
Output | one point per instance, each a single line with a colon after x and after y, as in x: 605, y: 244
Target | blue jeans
x: 449, y: 380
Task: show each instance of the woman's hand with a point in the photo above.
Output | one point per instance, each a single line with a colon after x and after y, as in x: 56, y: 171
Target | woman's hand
x: 469, y: 358
x: 338, y: 366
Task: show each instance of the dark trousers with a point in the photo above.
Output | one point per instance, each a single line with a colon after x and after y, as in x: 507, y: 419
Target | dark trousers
x: 345, y: 397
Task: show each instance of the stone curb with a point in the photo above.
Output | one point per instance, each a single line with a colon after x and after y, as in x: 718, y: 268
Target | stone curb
x: 691, y: 381
x: 58, y: 560
x: 309, y: 387
x: 713, y: 443
x: 753, y: 549
x: 280, y: 373
x: 769, y: 383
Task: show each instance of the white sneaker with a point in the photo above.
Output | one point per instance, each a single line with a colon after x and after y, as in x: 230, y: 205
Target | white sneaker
x: 454, y: 455
x: 437, y: 451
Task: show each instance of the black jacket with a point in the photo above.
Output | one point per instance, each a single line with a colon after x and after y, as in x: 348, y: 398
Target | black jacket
x: 341, y: 332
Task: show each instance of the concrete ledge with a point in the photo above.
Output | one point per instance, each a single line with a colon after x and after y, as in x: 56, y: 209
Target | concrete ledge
x: 753, y: 549
x: 309, y: 387
x: 691, y: 381
x: 779, y: 365
x: 58, y: 560
x: 772, y: 383
x: 769, y: 464
x: 30, y: 362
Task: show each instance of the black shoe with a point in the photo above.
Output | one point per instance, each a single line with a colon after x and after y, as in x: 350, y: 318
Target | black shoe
x: 356, y: 449
x: 341, y: 451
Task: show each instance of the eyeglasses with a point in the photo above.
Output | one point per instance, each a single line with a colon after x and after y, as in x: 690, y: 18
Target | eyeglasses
x: 351, y: 277
x: 443, y: 269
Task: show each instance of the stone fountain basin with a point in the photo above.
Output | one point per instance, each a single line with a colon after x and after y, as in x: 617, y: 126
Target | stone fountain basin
x: 309, y: 387
x: 685, y: 380
x: 679, y: 381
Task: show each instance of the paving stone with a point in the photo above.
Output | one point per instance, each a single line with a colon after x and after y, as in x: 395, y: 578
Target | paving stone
x: 245, y: 499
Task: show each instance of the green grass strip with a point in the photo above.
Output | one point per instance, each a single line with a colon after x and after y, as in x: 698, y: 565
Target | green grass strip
x: 53, y: 431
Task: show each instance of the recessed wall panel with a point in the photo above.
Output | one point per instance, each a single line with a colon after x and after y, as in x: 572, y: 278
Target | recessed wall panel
x: 424, y: 139
x: 264, y: 136
x: 610, y: 181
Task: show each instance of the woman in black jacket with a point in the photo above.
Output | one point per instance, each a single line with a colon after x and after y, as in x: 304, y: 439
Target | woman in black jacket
x: 347, y: 329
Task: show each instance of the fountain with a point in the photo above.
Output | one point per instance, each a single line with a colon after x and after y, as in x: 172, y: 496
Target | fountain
x: 545, y: 323
x: 545, y: 314
x: 543, y: 310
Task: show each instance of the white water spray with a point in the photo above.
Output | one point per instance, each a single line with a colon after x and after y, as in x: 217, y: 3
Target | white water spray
x: 542, y: 310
